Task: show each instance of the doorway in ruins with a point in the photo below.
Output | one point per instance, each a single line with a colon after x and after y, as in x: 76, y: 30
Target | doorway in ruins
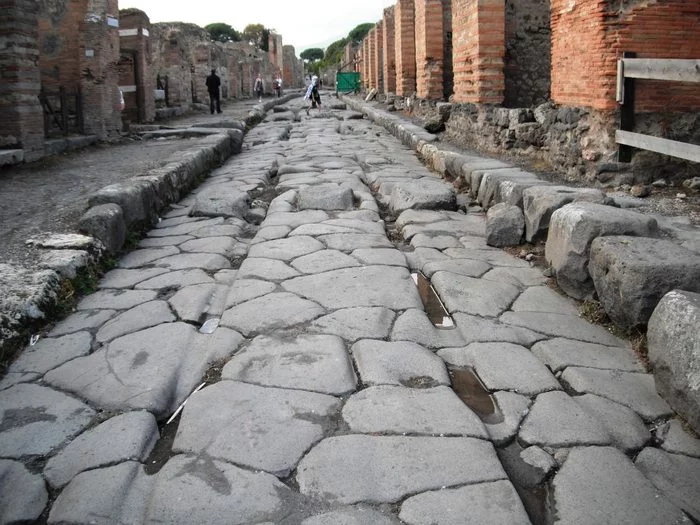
x: 528, y: 53
x: 129, y: 82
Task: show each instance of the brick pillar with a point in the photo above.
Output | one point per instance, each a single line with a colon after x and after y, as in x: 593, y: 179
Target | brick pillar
x: 365, y: 62
x: 404, y: 32
x: 478, y: 39
x: 429, y: 49
x: 135, y: 37
x: 372, y: 54
x: 21, y: 120
x: 379, y: 56
x: 99, y: 75
x: 389, y: 51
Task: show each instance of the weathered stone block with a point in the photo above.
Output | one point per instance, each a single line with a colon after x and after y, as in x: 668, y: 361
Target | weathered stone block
x: 106, y: 223
x: 632, y: 274
x: 504, y: 225
x: 571, y: 232
x: 674, y: 351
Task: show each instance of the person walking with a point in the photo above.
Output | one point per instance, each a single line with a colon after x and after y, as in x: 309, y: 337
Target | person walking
x: 213, y: 85
x: 278, y: 86
x: 312, y: 94
x: 259, y: 87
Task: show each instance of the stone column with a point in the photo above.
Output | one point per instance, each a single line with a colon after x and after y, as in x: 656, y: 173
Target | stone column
x: 21, y: 119
x: 429, y: 49
x: 372, y: 56
x: 389, y: 51
x: 379, y: 56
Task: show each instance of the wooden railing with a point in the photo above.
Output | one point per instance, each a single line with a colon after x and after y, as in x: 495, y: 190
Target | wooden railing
x: 629, y: 69
x: 63, y: 112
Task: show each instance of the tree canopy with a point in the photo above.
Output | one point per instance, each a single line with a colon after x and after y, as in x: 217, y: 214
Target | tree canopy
x: 312, y: 54
x: 221, y: 32
x: 257, y: 35
x: 334, y: 52
x: 357, y: 34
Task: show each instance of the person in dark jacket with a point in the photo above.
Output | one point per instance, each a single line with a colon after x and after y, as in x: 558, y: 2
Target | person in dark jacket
x: 213, y: 85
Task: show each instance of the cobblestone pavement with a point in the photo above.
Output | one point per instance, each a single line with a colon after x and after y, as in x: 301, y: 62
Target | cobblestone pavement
x: 323, y: 391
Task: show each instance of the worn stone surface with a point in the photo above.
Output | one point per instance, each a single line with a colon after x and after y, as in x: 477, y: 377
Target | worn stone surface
x: 560, y: 325
x: 397, y: 410
x: 414, y: 325
x: 353, y: 324
x: 473, y: 296
x: 221, y: 200
x: 676, y: 440
x: 399, y: 363
x: 480, y: 329
x: 124, y: 278
x: 324, y: 261
x: 505, y: 225
x: 325, y: 197
x: 503, y: 366
x: 544, y: 299
x: 266, y: 269
x: 376, y: 469
x: 423, y: 194
x: 485, y: 503
x: 116, y: 299
x: 633, y: 390
x: 513, y: 408
x: 571, y: 232
x: 318, y: 363
x: 285, y: 249
x: 263, y: 428
x: 626, y: 428
x: 122, y: 375
x: 23, y: 495
x: 631, y: 275
x: 138, y: 318
x: 129, y: 436
x: 358, y: 515
x: 596, y: 483
x: 560, y: 353
x: 675, y: 476
x: 674, y: 352
x: 81, y: 320
x: 48, y: 353
x: 36, y: 420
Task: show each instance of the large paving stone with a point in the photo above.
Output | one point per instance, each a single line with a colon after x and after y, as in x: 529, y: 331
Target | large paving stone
x: 423, y: 194
x: 387, y: 286
x: 138, y: 318
x: 271, y: 312
x: 512, y: 408
x: 378, y: 469
x: 631, y: 275
x: 266, y: 270
x: 556, y: 420
x: 175, y: 279
x: 123, y: 278
x: 414, y: 325
x: 186, y: 228
x: 503, y: 366
x: 285, y: 249
x: 473, y: 296
x: 439, y: 242
x: 294, y: 219
x: 353, y: 324
x: 560, y: 325
x: 466, y: 267
x: 358, y: 515
x: 380, y: 256
x: 520, y: 277
x: 676, y: 440
x: 318, y: 363
x: 397, y: 410
x: 144, y: 256
x: 571, y: 232
x: 35, y: 420
x: 193, y: 303
x: 492, y: 256
x: 81, y: 320
x: 465, y: 225
x: 677, y: 477
x: 560, y: 353
x: 23, y: 495
x: 49, y: 353
x: 243, y: 290
x: 626, y: 428
x: 349, y: 242
x: 633, y: 390
x: 116, y: 299
x: 325, y: 197
x: 155, y: 369
x: 493, y: 503
x: 544, y: 299
x: 324, y: 261
x: 480, y: 329
x: 601, y: 485
x: 399, y: 363
x: 129, y: 436
x: 539, y: 202
x: 204, y: 261
x: 504, y: 225
x: 225, y: 246
x: 221, y: 200
x: 263, y: 428
x: 674, y: 352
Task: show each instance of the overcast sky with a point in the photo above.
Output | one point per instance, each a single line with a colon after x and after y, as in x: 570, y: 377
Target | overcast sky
x: 303, y: 24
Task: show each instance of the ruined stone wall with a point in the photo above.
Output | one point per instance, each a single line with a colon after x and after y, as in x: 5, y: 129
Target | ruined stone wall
x: 478, y: 39
x: 276, y: 54
x: 527, y: 53
x: 589, y: 36
x: 389, y: 51
x: 404, y: 31
x: 136, y: 80
x: 289, y: 75
x: 21, y: 120
x: 429, y: 48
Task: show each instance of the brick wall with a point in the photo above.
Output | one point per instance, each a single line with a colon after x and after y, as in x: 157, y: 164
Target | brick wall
x: 135, y: 38
x: 389, y: 51
x: 589, y: 36
x: 429, y: 48
x: 372, y: 56
x: 527, y: 58
x: 60, y: 43
x: 404, y: 32
x: 378, y: 58
x: 21, y: 120
x: 365, y: 62
x: 478, y: 39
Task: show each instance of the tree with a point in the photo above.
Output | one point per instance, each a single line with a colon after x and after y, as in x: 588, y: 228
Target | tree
x: 220, y: 32
x: 334, y: 53
x: 257, y: 35
x: 360, y: 32
x: 312, y: 54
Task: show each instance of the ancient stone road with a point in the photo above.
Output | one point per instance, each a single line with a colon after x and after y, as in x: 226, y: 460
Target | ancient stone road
x: 325, y: 394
